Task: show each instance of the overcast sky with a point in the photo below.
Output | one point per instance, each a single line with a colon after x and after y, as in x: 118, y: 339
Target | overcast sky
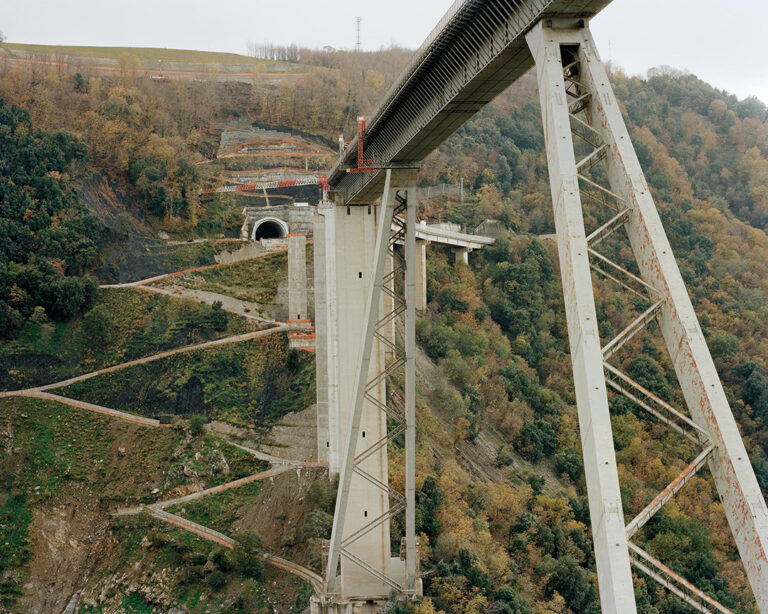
x: 721, y: 41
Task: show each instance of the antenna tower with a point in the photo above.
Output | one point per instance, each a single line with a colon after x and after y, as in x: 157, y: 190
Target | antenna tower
x: 358, y: 46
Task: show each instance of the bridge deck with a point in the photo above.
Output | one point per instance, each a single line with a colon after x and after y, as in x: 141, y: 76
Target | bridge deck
x: 435, y: 234
x: 476, y: 51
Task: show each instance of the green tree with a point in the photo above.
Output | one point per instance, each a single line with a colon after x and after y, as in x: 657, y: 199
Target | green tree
x: 247, y: 554
x: 572, y: 582
x: 80, y: 83
x: 569, y: 462
x: 318, y: 524
x: 536, y: 440
x: 98, y: 326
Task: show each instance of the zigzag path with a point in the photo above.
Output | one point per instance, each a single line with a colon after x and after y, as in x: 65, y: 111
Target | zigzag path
x: 157, y: 510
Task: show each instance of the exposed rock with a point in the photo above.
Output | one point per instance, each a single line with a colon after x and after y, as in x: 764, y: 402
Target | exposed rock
x: 218, y: 463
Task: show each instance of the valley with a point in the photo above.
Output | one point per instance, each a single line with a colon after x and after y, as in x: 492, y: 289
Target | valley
x: 158, y: 444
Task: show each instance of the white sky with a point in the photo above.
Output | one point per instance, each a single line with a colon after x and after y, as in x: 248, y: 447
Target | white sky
x: 721, y: 41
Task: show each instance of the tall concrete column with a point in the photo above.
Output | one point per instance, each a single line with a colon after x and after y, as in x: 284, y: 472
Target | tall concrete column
x: 321, y: 337
x: 355, y: 231
x: 387, y: 305
x: 297, y: 277
x: 420, y: 258
x: 606, y: 514
x: 327, y: 339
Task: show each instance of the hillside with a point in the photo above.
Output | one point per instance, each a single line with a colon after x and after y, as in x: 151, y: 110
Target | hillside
x: 145, y: 54
x: 502, y: 511
x: 174, y: 61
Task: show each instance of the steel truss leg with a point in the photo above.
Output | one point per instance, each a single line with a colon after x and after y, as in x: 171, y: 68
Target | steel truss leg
x: 577, y: 99
x: 610, y: 540
x: 396, y: 224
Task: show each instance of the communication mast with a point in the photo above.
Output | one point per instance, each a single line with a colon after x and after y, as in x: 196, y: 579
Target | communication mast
x: 358, y: 45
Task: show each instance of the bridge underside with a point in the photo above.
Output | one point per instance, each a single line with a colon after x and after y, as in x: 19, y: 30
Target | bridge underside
x: 475, y: 52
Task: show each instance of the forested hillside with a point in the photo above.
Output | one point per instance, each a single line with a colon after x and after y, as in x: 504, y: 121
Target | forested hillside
x: 498, y: 332
x: 48, y: 240
x: 510, y: 534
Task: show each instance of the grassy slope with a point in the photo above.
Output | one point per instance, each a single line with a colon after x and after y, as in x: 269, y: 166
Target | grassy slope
x: 153, y: 54
x: 250, y: 280
x: 50, y: 449
x: 244, y: 383
x: 248, y: 384
x: 220, y: 511
x: 144, y: 324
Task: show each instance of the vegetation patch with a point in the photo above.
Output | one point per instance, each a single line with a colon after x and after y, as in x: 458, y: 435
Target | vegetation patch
x: 250, y: 383
x: 48, y: 238
x: 254, y: 280
x: 219, y: 511
x: 201, y: 576
x: 125, y: 324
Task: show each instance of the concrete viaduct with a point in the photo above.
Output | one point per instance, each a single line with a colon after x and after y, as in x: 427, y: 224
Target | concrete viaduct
x: 368, y: 265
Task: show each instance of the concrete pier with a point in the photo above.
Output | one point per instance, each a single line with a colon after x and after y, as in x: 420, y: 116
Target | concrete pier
x: 297, y: 277
x: 421, y: 275
x: 346, y: 262
x: 461, y: 254
x: 355, y: 233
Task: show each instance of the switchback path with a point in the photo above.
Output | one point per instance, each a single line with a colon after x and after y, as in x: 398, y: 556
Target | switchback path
x: 149, y: 280
x: 302, y: 572
x: 152, y: 358
x: 161, y: 505
x: 114, y: 413
x: 157, y: 510
x: 240, y: 308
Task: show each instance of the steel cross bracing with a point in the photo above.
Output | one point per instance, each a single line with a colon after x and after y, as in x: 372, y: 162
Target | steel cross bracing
x: 396, y: 226
x: 577, y: 101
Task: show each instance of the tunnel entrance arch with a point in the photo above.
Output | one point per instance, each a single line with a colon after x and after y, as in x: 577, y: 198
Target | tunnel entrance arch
x: 269, y: 228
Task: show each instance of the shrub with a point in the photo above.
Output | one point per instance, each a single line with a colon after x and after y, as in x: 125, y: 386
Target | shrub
x: 98, y: 326
x: 197, y: 425
x: 503, y: 457
x: 223, y: 560
x: 318, y: 524
x: 248, y: 554
x: 217, y: 580
x: 537, y: 483
x: 321, y: 495
x: 217, y: 318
